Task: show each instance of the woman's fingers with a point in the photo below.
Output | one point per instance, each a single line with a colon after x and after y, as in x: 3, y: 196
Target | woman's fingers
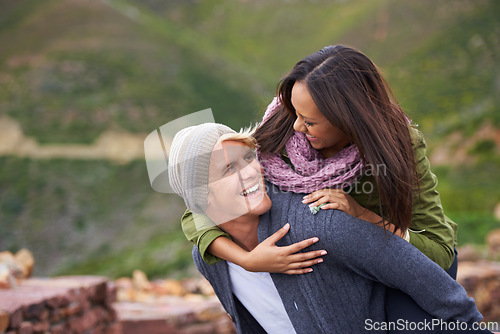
x: 308, y: 263
x: 321, y: 193
x: 302, y: 267
x: 300, y: 263
x: 273, y: 239
x: 326, y: 196
x: 298, y: 246
x: 322, y: 200
x: 331, y: 206
x: 340, y: 199
x: 298, y: 271
x: 309, y: 256
x: 314, y: 196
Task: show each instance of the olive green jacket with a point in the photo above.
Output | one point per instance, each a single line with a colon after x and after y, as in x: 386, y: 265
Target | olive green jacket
x: 431, y: 231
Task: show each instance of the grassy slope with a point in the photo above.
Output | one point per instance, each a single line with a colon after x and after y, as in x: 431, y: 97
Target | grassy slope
x: 81, y: 217
x: 73, y: 69
x: 96, y: 68
x: 451, y: 81
x: 130, y: 63
x: 430, y: 51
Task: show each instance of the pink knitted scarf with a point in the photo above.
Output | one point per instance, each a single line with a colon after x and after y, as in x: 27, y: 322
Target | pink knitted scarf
x: 312, y: 172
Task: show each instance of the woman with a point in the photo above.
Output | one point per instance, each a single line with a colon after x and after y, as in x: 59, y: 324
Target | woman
x: 336, y: 133
x: 334, y: 125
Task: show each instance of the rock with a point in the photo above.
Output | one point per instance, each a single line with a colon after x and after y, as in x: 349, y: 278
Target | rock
x: 170, y: 306
x: 4, y: 321
x: 15, y: 267
x: 173, y: 287
x: 468, y: 253
x: 140, y: 280
x: 9, y: 260
x: 206, y: 288
x: 143, y: 297
x: 190, y: 284
x: 6, y: 257
x: 7, y: 278
x: 125, y: 288
x: 493, y: 243
x: 4, y: 276
x: 26, y: 261
x: 124, y: 283
x: 25, y: 328
x: 496, y: 212
x: 482, y: 281
x: 58, y: 305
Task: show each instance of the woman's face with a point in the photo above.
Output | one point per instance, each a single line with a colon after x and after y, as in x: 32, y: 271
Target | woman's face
x: 323, y: 135
x: 236, y: 183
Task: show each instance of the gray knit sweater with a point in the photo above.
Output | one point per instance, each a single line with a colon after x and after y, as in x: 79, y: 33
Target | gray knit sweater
x: 346, y: 292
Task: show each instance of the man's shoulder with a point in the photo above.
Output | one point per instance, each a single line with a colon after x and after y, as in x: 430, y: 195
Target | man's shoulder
x: 278, y: 195
x: 288, y: 207
x: 290, y: 203
x: 196, y: 256
x: 210, y: 271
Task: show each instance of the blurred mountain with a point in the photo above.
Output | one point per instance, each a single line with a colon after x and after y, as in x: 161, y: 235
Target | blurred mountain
x: 70, y: 70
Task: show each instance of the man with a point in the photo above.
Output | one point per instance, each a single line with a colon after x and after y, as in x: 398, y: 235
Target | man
x: 214, y: 170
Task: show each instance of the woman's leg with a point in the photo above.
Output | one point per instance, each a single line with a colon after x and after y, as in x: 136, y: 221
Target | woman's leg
x: 404, y: 315
x: 454, y: 266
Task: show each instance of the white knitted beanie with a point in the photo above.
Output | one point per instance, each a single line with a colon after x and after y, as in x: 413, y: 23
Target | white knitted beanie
x: 189, y: 160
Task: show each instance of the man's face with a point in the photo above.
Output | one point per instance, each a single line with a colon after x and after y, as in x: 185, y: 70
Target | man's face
x: 236, y: 184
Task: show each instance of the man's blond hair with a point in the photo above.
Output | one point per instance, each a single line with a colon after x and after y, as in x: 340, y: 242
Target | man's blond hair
x: 244, y: 136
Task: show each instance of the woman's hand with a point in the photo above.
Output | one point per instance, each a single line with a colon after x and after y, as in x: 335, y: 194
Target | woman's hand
x: 267, y: 257
x: 338, y: 199
x: 335, y: 199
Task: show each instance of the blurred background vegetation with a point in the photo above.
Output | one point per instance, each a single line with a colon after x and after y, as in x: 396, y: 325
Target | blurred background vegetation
x: 72, y: 69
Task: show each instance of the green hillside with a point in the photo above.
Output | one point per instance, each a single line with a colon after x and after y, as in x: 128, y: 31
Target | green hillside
x: 440, y: 56
x: 70, y: 70
x: 92, y: 68
x: 79, y: 68
x: 80, y: 216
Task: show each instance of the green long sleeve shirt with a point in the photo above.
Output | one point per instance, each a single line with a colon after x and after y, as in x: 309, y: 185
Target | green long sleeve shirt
x: 431, y: 231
